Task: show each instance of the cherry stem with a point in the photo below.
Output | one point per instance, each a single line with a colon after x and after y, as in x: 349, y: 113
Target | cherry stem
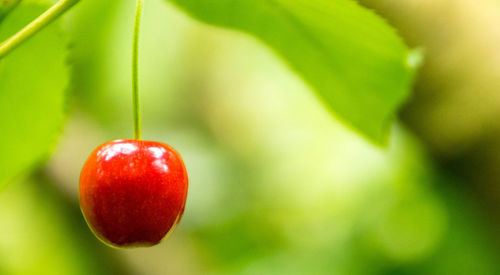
x: 135, y: 70
x: 36, y: 25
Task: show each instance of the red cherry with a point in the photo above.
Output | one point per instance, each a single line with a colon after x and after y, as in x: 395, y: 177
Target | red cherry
x: 133, y: 192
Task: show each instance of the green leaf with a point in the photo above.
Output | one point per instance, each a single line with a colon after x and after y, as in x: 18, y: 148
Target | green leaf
x: 6, y: 6
x: 348, y: 55
x: 33, y: 79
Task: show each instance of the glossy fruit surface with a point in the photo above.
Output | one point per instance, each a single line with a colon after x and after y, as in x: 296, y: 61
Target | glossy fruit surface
x: 133, y: 192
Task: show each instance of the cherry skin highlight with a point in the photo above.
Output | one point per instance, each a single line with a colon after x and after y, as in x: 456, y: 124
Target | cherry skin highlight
x: 133, y: 192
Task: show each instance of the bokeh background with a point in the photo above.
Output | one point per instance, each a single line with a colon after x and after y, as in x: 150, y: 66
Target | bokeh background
x: 277, y: 185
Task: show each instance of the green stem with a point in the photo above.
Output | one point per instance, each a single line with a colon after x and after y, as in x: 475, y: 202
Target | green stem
x: 36, y: 25
x: 135, y: 71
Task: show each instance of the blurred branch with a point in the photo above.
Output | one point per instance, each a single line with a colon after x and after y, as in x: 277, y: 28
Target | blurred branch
x: 36, y: 25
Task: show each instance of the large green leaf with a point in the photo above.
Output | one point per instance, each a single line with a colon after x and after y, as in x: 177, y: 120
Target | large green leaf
x: 6, y: 6
x: 347, y: 54
x: 33, y: 79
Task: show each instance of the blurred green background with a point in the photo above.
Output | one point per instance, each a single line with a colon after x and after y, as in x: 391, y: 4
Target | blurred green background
x: 277, y: 185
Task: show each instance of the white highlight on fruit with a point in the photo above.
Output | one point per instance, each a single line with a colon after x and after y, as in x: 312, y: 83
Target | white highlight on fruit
x: 161, y: 165
x: 116, y: 149
x: 157, y: 151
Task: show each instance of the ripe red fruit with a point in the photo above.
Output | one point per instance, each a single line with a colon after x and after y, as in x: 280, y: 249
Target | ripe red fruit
x: 133, y: 192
